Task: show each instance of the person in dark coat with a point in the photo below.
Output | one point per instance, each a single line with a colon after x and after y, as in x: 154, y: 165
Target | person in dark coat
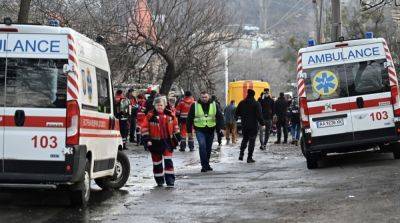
x: 249, y: 110
x: 294, y: 114
x: 149, y: 102
x: 267, y: 108
x: 281, y: 109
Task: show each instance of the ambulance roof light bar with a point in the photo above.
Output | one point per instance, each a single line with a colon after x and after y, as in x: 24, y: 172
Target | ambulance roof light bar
x: 311, y: 42
x: 54, y: 22
x: 369, y: 35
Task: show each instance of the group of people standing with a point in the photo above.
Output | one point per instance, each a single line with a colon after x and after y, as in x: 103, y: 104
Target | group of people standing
x: 259, y: 116
x: 161, y: 125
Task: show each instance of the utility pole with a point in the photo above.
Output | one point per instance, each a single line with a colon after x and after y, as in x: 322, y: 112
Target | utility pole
x: 263, y: 15
x: 336, y: 20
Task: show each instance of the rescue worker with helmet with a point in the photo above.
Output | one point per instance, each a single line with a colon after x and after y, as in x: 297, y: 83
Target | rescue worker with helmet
x: 160, y: 132
x: 182, y: 112
x: 205, y: 117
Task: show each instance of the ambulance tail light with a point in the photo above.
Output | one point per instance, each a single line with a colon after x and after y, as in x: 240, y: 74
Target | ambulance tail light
x: 394, y: 99
x: 72, y: 123
x: 304, y: 112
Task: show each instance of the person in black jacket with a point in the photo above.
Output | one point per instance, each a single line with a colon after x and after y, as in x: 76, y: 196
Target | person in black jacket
x: 267, y: 108
x: 206, y: 118
x: 219, y: 133
x: 249, y: 110
x: 281, y: 109
x: 294, y: 112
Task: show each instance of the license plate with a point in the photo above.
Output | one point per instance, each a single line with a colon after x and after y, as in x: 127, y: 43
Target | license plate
x: 330, y: 123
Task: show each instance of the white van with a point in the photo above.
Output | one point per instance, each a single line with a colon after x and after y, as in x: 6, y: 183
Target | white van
x: 349, y: 98
x: 57, y: 125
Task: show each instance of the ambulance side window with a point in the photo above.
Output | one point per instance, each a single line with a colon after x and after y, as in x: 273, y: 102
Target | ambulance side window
x: 103, y: 91
x: 367, y: 77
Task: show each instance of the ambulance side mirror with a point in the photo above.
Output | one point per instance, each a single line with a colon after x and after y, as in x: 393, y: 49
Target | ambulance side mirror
x: 68, y: 68
x: 303, y: 75
x: 388, y: 64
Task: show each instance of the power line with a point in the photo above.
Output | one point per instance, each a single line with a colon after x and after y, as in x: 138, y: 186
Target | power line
x: 290, y: 13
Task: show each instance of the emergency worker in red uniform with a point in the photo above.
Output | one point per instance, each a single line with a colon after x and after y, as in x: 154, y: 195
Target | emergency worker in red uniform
x: 140, y: 117
x: 182, y: 111
x: 160, y: 132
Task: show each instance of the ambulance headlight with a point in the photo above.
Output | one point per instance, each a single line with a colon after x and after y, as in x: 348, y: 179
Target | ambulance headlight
x: 369, y: 35
x: 311, y: 42
x: 307, y: 131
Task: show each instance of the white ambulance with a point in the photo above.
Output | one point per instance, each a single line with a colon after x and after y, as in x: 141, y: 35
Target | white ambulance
x: 57, y: 125
x: 349, y: 98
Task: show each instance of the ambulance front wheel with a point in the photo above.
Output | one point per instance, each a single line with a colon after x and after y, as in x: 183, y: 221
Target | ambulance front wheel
x: 121, y: 174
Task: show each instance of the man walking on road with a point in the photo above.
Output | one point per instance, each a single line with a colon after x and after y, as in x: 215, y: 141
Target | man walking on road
x: 205, y: 116
x: 230, y: 122
x: 250, y: 112
x: 281, y: 109
x: 267, y: 108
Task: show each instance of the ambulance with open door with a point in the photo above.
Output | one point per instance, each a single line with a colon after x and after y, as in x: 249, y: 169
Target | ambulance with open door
x: 57, y: 125
x: 349, y: 98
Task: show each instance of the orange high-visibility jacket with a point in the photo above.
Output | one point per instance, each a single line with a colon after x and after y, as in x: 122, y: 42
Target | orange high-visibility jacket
x: 151, y: 128
x: 183, y: 108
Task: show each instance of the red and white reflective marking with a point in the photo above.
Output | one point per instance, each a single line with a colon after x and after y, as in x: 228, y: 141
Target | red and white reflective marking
x: 72, y: 83
x: 301, y: 88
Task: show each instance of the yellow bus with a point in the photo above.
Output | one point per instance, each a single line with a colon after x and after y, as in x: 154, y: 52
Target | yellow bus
x: 238, y: 90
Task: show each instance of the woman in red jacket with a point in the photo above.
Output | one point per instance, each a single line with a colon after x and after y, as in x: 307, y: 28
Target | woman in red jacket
x: 160, y: 132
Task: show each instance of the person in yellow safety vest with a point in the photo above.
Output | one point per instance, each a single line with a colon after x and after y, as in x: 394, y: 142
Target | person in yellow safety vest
x: 205, y: 117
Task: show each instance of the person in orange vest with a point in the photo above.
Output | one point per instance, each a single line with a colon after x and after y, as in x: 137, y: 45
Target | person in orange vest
x: 182, y: 111
x: 141, y: 115
x: 160, y: 132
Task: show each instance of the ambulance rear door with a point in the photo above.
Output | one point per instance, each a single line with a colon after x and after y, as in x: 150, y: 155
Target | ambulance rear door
x: 369, y: 91
x: 327, y: 97
x: 35, y: 104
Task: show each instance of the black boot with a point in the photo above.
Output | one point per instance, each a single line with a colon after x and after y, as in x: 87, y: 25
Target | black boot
x: 182, y: 146
x: 250, y: 160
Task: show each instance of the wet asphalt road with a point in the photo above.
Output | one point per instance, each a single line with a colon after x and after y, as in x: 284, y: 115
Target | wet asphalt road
x: 359, y: 187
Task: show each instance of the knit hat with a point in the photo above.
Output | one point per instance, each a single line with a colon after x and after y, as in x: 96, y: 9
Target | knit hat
x: 160, y: 99
x: 251, y: 93
x: 188, y: 93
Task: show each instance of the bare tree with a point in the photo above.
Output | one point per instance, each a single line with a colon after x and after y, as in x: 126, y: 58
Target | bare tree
x: 24, y: 7
x: 186, y: 35
x: 376, y: 4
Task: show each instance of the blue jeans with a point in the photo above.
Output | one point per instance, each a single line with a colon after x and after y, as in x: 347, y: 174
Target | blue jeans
x: 295, y: 131
x: 205, y: 140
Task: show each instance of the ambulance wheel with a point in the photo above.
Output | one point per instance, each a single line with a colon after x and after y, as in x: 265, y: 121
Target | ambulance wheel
x: 396, y: 150
x: 80, y: 191
x: 312, y: 161
x: 303, y: 146
x: 121, y: 174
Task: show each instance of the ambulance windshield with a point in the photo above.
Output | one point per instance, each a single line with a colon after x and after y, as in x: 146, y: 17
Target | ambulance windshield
x: 345, y: 80
x: 38, y: 83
